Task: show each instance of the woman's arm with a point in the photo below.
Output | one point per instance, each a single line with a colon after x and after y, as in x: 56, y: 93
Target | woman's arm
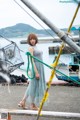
x: 31, y: 50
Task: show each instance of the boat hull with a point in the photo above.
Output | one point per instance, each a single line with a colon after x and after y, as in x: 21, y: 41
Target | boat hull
x: 69, y: 73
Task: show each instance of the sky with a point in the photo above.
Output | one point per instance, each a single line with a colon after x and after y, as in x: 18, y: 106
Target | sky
x: 60, y: 14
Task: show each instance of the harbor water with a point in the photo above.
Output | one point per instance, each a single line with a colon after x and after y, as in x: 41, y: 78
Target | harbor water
x: 47, y: 58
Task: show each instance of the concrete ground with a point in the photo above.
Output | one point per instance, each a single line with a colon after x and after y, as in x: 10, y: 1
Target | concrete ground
x: 61, y: 99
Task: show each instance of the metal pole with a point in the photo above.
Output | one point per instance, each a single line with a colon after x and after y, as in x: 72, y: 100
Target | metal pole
x: 44, y: 113
x: 59, y: 33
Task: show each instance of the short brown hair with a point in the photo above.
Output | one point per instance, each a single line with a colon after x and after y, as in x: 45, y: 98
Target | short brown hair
x: 32, y: 36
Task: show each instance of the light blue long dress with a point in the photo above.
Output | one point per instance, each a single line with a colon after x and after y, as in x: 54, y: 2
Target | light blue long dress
x: 36, y: 88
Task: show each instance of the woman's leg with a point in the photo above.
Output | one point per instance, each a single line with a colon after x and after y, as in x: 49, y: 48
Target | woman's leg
x: 22, y: 102
x: 33, y: 107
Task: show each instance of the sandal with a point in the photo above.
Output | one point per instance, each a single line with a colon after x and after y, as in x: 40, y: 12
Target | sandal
x: 33, y: 107
x: 22, y: 105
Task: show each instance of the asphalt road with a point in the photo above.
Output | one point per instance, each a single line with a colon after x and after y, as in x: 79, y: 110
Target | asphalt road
x: 61, y: 99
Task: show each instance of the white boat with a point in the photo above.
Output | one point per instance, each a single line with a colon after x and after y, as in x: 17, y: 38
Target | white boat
x: 70, y: 72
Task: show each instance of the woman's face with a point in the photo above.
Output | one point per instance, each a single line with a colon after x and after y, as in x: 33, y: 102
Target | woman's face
x: 33, y: 42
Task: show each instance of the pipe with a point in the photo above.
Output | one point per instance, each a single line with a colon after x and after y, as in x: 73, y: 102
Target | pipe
x: 59, y: 33
x: 43, y: 113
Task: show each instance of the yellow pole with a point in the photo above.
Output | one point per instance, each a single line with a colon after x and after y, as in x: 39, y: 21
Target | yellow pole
x: 73, y: 17
x: 54, y: 66
x: 50, y: 80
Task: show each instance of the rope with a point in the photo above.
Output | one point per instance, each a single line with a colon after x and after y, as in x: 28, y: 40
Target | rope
x: 51, y: 67
x: 30, y: 75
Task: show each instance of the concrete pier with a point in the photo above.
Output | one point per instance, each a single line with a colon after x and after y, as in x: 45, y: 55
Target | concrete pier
x: 61, y: 99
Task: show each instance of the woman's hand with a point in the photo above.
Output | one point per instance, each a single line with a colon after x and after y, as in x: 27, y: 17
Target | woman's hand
x: 37, y: 76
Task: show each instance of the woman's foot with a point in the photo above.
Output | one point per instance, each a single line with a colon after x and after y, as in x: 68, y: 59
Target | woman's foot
x: 22, y: 105
x: 34, y: 107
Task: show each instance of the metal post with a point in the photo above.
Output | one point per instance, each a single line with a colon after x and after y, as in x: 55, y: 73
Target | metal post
x: 60, y: 33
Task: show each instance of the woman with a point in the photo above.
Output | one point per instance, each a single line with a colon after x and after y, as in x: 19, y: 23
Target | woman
x: 37, y: 86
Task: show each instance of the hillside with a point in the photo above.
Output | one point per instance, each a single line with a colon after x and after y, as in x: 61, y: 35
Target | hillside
x: 21, y: 30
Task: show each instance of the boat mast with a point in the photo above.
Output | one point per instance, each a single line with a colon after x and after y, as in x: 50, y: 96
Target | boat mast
x: 59, y: 33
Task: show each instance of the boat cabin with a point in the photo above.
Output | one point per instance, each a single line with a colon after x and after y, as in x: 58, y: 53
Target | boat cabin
x: 71, y: 70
